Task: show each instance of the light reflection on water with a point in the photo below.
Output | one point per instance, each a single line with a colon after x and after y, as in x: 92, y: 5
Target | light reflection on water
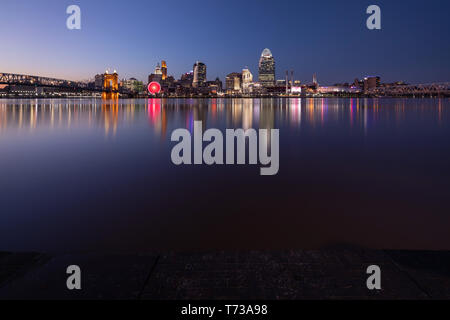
x: 28, y: 115
x: 87, y: 175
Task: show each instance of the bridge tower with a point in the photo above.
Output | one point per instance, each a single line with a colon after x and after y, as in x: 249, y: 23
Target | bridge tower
x: 110, y: 85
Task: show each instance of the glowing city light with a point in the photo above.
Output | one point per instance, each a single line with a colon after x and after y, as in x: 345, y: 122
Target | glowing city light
x: 154, y: 87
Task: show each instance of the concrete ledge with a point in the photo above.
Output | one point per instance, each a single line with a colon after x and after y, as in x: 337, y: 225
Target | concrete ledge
x: 295, y: 274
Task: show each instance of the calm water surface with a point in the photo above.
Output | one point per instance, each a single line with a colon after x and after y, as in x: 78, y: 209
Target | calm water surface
x: 93, y: 175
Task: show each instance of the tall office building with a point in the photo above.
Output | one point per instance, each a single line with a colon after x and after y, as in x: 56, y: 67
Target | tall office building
x: 99, y: 79
x: 199, y: 74
x: 371, y: 82
x: 233, y: 82
x: 247, y: 80
x: 164, y: 70
x: 187, y: 79
x: 267, y: 69
x: 247, y: 76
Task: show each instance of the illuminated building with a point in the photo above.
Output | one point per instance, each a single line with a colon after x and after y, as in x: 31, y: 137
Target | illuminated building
x: 158, y: 70
x: 128, y: 84
x: 296, y: 90
x: 99, y: 79
x: 334, y: 89
x: 132, y: 85
x: 169, y: 81
x: 233, y: 82
x: 187, y: 79
x: 247, y: 76
x: 371, y: 83
x: 156, y: 75
x: 199, y: 74
x: 213, y: 87
x: 247, y: 80
x: 164, y: 70
x: 266, y: 69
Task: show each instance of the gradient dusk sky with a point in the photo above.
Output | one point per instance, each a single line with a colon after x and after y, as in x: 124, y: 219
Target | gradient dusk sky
x: 329, y: 38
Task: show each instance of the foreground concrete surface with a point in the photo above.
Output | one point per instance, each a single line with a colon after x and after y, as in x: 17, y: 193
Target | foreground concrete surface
x: 296, y: 274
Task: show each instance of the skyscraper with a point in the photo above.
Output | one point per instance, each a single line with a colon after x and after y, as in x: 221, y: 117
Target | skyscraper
x: 199, y: 74
x: 187, y: 79
x: 233, y: 82
x: 164, y: 70
x: 99, y: 79
x: 247, y: 80
x: 247, y: 76
x: 371, y: 82
x: 266, y: 69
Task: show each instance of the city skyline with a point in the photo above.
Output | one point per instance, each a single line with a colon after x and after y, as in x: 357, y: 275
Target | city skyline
x: 334, y: 44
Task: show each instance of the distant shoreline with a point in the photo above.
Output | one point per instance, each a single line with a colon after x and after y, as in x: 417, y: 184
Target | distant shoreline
x: 234, y: 97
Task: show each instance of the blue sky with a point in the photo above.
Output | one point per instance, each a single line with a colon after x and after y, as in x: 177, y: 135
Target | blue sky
x: 324, y: 37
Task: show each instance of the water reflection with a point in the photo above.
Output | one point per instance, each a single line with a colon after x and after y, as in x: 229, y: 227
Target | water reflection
x: 29, y: 115
x: 371, y: 172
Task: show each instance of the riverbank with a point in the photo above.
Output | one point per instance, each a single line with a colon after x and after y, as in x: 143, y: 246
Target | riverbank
x: 297, y: 274
x: 324, y: 96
